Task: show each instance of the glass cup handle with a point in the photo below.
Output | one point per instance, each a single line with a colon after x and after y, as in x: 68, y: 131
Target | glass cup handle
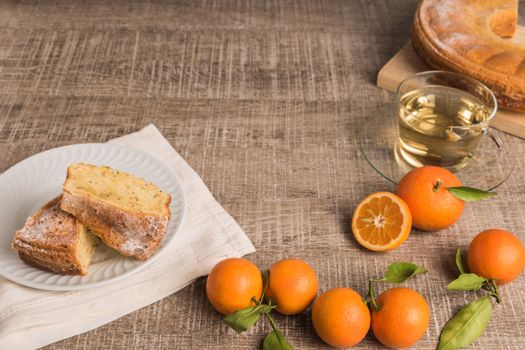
x: 499, y: 144
x: 494, y: 138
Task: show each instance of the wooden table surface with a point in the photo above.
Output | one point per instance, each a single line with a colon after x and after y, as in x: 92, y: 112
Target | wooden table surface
x: 265, y: 100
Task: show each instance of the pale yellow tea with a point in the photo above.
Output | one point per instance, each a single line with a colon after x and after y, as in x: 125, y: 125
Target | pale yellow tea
x: 440, y: 125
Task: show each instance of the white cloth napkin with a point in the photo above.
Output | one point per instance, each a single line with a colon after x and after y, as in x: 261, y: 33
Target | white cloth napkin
x: 31, y: 318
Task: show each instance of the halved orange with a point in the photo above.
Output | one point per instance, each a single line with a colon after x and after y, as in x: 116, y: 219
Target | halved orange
x: 382, y: 221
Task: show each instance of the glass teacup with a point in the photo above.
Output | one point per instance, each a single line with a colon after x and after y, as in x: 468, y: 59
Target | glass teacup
x: 442, y: 118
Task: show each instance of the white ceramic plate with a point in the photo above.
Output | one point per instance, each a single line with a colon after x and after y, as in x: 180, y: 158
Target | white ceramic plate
x: 28, y: 185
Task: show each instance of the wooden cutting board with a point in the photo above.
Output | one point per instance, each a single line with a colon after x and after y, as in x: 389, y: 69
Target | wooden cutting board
x: 406, y: 63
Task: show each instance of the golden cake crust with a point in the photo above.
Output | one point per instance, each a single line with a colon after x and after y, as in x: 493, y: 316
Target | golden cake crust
x: 466, y: 36
x: 49, y: 240
x: 128, y: 226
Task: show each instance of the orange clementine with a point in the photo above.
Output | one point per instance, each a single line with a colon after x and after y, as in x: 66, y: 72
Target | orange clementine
x: 402, y: 318
x: 341, y: 317
x: 425, y: 191
x: 382, y: 221
x: 292, y: 285
x: 496, y: 254
x: 232, y: 284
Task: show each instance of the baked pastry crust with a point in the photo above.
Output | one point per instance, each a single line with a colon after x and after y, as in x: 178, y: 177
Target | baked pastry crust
x: 127, y: 213
x: 55, y: 241
x: 466, y: 36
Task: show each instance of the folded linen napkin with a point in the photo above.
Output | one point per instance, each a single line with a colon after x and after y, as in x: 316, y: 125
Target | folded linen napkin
x: 31, y: 318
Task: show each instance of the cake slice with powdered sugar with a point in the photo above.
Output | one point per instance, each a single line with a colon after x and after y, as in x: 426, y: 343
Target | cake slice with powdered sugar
x: 55, y: 241
x: 129, y: 214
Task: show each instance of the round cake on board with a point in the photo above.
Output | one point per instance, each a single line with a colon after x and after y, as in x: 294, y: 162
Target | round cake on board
x: 469, y: 37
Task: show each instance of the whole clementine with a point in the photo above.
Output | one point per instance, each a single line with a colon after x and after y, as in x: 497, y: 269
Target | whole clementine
x: 292, y: 285
x: 496, y: 254
x: 425, y: 192
x: 341, y: 317
x: 402, y: 318
x: 232, y: 284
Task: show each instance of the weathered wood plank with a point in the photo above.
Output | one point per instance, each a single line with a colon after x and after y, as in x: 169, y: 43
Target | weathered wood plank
x: 265, y: 100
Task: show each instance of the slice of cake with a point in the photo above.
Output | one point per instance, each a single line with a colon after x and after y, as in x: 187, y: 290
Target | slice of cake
x: 127, y: 213
x: 55, y: 241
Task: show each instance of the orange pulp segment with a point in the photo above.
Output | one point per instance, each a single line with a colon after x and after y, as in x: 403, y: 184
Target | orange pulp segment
x: 382, y: 221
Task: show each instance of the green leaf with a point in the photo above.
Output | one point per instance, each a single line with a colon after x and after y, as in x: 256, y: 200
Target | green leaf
x: 275, y: 341
x: 401, y: 271
x: 243, y: 319
x: 467, y: 281
x: 469, y: 194
x: 467, y: 325
x: 459, y: 261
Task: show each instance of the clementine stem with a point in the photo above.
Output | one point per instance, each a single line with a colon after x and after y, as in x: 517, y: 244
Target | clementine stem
x: 495, y: 291
x: 266, y: 278
x: 371, y: 295
x: 437, y: 185
x: 272, y: 322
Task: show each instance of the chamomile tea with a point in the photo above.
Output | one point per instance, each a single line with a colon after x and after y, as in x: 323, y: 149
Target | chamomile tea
x: 441, y: 125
